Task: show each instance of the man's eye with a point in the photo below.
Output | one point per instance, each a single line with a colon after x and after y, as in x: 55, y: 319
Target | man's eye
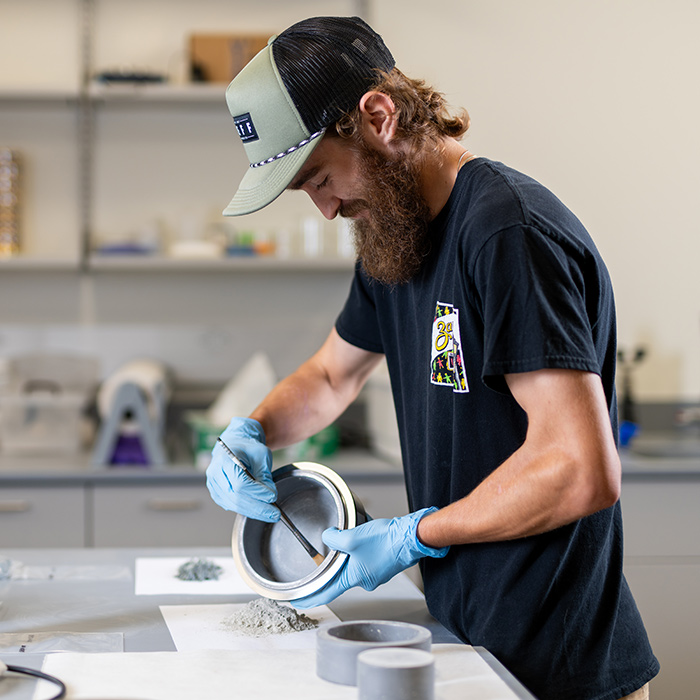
x: 323, y: 183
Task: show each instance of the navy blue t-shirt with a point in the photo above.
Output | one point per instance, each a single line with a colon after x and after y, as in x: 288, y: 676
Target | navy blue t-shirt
x: 513, y: 283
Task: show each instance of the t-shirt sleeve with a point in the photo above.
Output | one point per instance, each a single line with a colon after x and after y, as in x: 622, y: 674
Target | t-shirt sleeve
x: 532, y: 295
x: 357, y: 322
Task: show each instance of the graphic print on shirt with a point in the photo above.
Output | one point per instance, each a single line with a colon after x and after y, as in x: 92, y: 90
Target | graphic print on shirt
x: 446, y: 358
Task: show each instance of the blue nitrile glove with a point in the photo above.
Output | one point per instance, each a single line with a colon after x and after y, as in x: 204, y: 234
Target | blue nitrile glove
x: 228, y: 484
x: 378, y: 551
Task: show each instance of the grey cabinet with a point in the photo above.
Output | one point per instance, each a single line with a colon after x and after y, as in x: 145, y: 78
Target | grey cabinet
x: 662, y: 565
x: 48, y: 516
x: 662, y: 517
x: 102, y: 513
x: 157, y: 515
x: 74, y: 506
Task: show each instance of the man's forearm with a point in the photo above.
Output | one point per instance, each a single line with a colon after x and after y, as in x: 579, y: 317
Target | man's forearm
x: 567, y: 468
x: 526, y: 495
x: 298, y: 407
x: 314, y: 395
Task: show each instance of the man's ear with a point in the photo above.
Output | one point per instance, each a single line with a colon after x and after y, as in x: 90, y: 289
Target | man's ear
x: 379, y: 119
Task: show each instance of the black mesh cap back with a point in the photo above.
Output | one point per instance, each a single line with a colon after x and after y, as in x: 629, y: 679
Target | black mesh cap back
x: 327, y: 64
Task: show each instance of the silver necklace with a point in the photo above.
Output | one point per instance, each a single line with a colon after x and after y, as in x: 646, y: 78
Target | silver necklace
x: 461, y: 158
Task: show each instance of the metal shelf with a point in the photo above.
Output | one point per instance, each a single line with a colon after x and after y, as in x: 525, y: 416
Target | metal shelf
x: 125, y: 263
x: 165, y: 93
x: 39, y: 264
x: 88, y: 98
x: 38, y: 96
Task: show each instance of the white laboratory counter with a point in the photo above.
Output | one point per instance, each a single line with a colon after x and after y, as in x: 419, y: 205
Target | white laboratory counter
x: 101, y: 598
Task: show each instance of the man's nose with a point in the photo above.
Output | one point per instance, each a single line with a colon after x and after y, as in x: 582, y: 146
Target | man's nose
x: 327, y: 205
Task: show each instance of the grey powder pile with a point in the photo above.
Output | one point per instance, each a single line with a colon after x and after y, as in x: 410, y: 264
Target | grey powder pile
x: 199, y: 570
x: 262, y: 617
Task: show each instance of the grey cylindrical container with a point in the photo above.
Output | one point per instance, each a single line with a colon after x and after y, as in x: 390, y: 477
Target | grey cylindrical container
x: 339, y: 645
x: 396, y: 674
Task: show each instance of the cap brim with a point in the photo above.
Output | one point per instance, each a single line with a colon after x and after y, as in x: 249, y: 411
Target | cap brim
x: 262, y: 185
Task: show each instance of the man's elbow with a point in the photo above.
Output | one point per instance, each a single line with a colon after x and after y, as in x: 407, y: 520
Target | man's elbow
x: 608, y: 494
x: 604, y: 484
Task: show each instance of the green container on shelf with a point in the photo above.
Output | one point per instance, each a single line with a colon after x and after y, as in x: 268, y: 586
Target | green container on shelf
x: 313, y: 449
x: 203, y: 436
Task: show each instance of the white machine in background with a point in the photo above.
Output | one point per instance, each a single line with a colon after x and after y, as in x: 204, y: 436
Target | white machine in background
x: 43, y: 398
x: 132, y: 406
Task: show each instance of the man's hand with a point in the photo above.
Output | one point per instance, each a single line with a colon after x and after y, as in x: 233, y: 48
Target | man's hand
x: 228, y: 484
x: 378, y: 550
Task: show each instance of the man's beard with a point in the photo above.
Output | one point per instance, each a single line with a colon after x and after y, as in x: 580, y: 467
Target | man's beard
x: 391, y: 238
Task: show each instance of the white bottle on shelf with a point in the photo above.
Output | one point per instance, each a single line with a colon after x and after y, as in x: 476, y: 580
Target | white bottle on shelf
x: 312, y: 234
x: 346, y: 249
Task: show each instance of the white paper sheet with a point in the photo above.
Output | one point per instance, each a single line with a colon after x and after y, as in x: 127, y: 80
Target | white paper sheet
x: 290, y: 674
x: 196, y: 627
x: 56, y: 641
x: 158, y: 576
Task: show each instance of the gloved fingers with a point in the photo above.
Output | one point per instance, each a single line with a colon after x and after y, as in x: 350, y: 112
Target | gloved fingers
x: 242, y: 504
x: 365, y: 534
x: 256, y: 510
x: 336, y: 539
x: 241, y: 483
x: 326, y: 595
x: 226, y: 478
x: 232, y: 490
x: 257, y: 460
x: 359, y: 572
x: 351, y: 575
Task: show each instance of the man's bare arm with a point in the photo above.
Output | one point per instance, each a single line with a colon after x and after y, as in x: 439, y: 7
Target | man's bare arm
x: 314, y: 395
x: 567, y: 468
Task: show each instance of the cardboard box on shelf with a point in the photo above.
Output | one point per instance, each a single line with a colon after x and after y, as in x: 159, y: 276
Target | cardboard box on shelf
x: 218, y: 58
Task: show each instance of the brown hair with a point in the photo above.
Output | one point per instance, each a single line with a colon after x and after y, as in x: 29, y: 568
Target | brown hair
x: 423, y: 115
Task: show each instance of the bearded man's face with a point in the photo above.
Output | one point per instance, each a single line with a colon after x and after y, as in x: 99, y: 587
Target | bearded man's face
x: 391, y: 217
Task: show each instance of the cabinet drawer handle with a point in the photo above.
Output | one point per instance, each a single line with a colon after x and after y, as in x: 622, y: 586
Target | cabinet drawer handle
x: 174, y: 504
x: 18, y: 506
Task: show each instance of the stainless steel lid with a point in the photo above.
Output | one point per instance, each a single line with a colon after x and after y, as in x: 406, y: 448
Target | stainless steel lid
x: 269, y: 558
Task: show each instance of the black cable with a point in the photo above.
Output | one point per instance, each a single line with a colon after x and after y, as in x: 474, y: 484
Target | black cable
x: 44, y: 676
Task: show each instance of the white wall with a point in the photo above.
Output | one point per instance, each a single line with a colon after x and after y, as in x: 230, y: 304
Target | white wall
x: 599, y: 100
x: 177, y: 165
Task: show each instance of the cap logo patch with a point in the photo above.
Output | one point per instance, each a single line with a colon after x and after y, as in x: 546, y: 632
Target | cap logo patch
x: 245, y: 127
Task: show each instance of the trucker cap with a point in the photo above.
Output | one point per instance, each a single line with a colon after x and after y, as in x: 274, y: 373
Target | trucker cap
x: 304, y: 80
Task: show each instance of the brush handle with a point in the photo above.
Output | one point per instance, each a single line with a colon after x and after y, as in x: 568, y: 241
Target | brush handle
x: 310, y: 549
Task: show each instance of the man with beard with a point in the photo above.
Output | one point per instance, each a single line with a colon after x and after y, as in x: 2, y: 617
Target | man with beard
x: 495, y: 314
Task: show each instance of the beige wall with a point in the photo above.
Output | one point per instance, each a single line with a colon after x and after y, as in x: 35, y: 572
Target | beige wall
x: 599, y: 100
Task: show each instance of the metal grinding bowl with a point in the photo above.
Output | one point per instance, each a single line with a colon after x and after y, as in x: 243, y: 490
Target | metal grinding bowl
x: 268, y: 556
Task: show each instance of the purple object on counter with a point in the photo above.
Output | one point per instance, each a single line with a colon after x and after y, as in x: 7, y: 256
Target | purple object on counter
x: 129, y: 450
